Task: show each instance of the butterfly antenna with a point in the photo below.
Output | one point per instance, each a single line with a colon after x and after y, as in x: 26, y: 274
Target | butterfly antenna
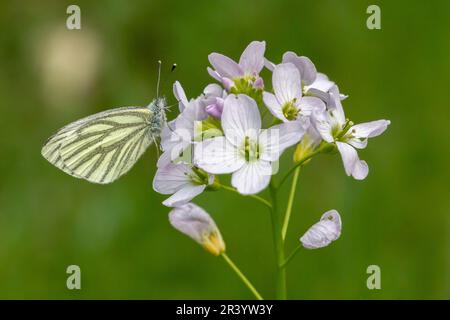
x: 159, y: 78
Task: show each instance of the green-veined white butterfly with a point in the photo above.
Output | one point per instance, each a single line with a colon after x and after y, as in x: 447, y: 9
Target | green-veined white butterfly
x: 102, y: 147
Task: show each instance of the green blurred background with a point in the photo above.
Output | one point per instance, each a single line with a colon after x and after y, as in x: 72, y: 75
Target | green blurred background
x: 398, y: 218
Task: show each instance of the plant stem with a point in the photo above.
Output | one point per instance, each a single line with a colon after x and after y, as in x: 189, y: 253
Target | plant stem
x: 288, y: 259
x: 287, y: 215
x: 260, y: 199
x: 279, y: 247
x: 242, y: 276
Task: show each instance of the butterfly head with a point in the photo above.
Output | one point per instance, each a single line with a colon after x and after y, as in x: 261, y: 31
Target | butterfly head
x: 158, y: 119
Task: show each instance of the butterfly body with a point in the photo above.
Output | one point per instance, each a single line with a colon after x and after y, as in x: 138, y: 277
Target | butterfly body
x: 102, y: 147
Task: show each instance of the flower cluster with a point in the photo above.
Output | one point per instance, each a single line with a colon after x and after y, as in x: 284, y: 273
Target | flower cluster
x: 222, y: 131
x: 239, y: 126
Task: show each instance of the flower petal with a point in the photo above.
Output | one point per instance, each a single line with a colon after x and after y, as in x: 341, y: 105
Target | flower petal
x: 307, y: 69
x: 180, y: 95
x: 185, y: 122
x: 171, y: 178
x: 286, y: 83
x: 369, y: 129
x: 321, y: 123
x: 217, y: 155
x: 273, y: 141
x: 274, y: 106
x: 214, y: 74
x: 252, y: 59
x: 240, y: 118
x: 269, y: 64
x: 213, y: 90
x: 354, y: 167
x: 253, y: 177
x: 308, y: 104
x: 335, y: 106
x: 357, y: 143
x: 325, y: 231
x: 320, y: 87
x: 225, y: 66
x: 184, y: 195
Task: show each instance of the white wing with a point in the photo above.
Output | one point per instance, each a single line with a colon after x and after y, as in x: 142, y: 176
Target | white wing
x: 102, y: 147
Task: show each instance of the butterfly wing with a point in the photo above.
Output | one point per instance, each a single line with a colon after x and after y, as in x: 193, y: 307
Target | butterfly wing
x: 102, y: 147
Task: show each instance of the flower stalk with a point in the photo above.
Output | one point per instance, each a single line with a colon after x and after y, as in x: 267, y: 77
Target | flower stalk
x: 242, y: 276
x: 290, y: 204
x: 279, y: 245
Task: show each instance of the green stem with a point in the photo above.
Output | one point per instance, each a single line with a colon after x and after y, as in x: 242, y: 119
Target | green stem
x: 287, y: 215
x: 279, y: 247
x: 242, y: 276
x: 288, y: 259
x: 262, y: 200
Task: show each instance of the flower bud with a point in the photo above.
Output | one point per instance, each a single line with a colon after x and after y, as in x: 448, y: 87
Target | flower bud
x: 303, y: 149
x: 215, y: 109
x: 196, y: 223
x: 323, y: 232
x: 227, y: 83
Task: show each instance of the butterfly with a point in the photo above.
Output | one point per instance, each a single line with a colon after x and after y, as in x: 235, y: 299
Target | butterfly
x: 103, y: 147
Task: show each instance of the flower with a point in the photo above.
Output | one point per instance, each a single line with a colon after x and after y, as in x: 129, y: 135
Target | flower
x: 183, y: 181
x: 246, y: 150
x: 304, y: 65
x: 179, y: 134
x: 196, y: 223
x: 287, y: 103
x: 243, y: 74
x: 325, y: 231
x: 334, y: 128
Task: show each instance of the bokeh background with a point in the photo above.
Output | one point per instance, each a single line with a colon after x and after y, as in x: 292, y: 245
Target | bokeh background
x: 398, y: 218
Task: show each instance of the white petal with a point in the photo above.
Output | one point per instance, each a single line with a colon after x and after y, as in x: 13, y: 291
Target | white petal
x: 178, y: 153
x: 171, y: 178
x: 369, y: 129
x: 252, y: 59
x: 336, y: 105
x: 269, y: 64
x: 357, y: 143
x: 273, y: 141
x: 180, y: 95
x: 321, y: 122
x: 214, y: 74
x: 240, y: 118
x: 253, y: 177
x: 184, y: 195
x: 325, y: 231
x: 168, y: 137
x: 322, y: 83
x: 217, y: 156
x: 185, y: 122
x: 213, y: 89
x: 286, y: 83
x: 353, y: 166
x: 307, y: 69
x: 274, y: 106
x: 193, y: 221
x: 308, y: 104
x: 225, y: 66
